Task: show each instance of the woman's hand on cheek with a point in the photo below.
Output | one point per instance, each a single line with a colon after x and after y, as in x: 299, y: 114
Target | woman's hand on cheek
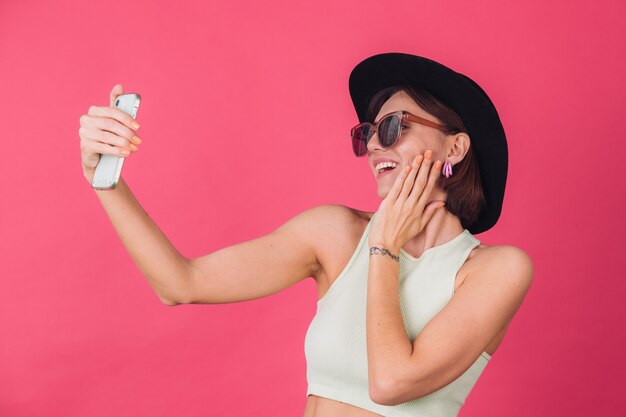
x: 403, y: 213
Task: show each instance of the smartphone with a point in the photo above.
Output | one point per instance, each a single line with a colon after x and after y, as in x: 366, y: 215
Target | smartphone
x: 109, y: 167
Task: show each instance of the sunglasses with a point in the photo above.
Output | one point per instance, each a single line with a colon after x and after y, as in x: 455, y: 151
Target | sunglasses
x: 389, y: 129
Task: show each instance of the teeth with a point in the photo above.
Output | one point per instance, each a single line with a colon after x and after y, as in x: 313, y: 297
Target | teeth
x: 380, y: 166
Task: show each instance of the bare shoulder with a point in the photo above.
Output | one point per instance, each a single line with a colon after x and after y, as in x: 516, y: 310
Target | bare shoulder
x: 334, y: 231
x: 331, y: 221
x: 501, y: 261
x: 503, y: 271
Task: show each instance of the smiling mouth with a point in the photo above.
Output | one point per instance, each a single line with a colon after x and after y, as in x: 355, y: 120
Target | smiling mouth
x: 384, y: 172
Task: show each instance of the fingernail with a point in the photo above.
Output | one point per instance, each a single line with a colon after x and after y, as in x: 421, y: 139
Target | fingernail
x: 429, y: 153
x: 136, y: 139
x: 133, y: 147
x: 437, y: 164
x: 135, y: 125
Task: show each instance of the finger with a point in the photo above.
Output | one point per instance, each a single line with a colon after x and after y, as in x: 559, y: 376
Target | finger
x: 103, y: 148
x: 118, y: 120
x: 408, y: 184
x: 422, y: 176
x: 429, y: 212
x: 115, y: 91
x: 98, y: 135
x: 91, y: 143
x: 433, y: 176
x: 397, y: 185
x: 108, y: 131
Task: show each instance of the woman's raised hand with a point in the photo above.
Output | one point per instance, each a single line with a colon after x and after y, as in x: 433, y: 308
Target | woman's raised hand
x: 403, y: 213
x: 106, y: 130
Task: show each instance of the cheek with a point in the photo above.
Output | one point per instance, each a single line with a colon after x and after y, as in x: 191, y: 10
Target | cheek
x: 418, y: 146
x: 411, y: 148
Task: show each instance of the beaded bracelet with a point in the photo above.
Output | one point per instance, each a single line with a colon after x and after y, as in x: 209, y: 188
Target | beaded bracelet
x: 375, y: 250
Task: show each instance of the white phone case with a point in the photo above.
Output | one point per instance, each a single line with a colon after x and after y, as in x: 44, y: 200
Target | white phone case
x: 109, y: 167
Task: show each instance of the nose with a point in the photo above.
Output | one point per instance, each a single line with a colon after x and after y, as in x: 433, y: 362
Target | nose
x: 374, y: 143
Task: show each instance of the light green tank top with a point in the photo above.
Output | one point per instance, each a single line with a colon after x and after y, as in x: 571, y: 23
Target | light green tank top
x: 335, y: 344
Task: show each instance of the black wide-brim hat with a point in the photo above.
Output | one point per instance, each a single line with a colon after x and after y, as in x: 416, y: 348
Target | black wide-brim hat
x: 458, y: 92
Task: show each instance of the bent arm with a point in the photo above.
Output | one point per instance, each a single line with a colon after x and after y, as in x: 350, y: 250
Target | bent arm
x: 163, y: 266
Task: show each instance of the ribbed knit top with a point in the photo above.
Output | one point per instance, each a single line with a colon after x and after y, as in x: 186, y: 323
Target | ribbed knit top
x: 335, y: 343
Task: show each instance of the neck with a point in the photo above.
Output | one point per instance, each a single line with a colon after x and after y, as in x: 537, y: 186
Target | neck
x: 442, y: 227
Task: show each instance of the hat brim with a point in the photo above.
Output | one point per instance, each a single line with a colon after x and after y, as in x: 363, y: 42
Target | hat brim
x: 460, y: 93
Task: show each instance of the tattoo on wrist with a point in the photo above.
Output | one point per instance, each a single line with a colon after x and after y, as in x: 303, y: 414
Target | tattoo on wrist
x: 374, y: 250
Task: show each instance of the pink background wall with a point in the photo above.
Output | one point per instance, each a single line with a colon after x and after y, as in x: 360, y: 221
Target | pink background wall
x: 81, y: 331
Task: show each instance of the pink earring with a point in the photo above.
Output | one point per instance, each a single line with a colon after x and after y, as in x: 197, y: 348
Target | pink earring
x: 447, y: 169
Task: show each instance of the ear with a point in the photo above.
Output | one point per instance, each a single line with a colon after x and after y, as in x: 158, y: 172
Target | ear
x: 458, y: 146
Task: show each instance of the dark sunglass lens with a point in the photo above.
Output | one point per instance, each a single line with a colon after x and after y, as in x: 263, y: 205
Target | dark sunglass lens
x: 360, y: 136
x: 389, y: 130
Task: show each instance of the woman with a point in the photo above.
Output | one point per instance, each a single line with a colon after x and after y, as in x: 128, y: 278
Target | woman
x: 411, y: 305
